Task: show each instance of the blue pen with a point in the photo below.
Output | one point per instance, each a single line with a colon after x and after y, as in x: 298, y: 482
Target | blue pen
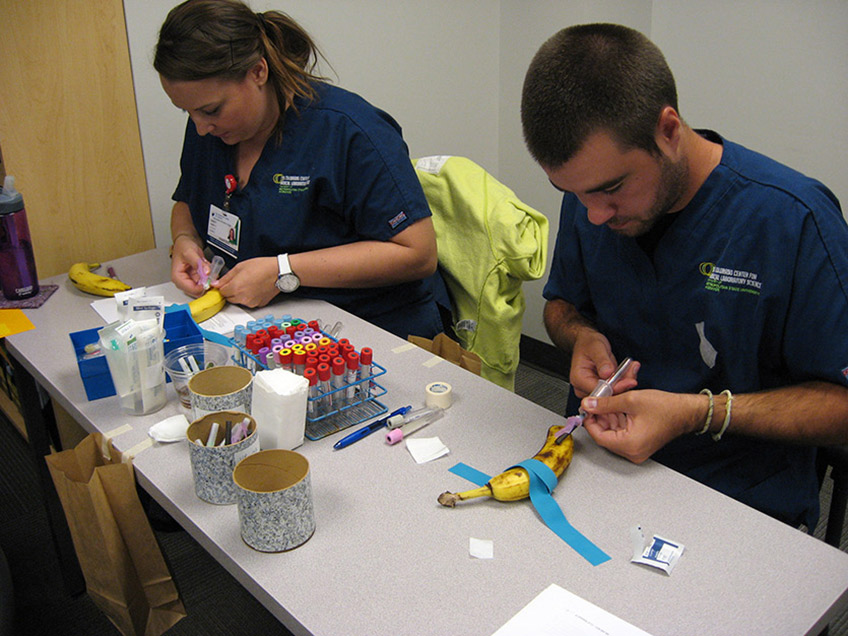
x: 366, y: 430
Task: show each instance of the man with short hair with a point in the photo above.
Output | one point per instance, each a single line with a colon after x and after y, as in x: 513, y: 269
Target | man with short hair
x: 721, y: 272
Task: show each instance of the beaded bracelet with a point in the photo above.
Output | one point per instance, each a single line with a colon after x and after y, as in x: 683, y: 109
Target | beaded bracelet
x: 709, y: 394
x: 727, y: 407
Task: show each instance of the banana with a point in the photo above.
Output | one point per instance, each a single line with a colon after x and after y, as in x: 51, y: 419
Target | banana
x: 207, y: 305
x: 514, y: 484
x: 89, y: 282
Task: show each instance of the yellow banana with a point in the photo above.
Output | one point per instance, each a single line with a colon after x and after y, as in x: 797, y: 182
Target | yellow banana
x: 89, y: 282
x: 207, y: 305
x: 514, y: 484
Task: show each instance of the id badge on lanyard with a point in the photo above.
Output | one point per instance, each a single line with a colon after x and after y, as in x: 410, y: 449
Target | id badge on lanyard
x: 224, y: 229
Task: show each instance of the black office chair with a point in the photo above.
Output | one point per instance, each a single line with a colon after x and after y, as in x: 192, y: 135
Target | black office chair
x: 837, y: 458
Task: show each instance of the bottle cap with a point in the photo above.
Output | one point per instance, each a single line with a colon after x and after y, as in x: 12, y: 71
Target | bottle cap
x: 10, y: 199
x: 365, y: 355
x: 338, y: 366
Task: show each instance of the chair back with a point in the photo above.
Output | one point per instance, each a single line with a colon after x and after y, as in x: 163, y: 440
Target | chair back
x: 489, y: 243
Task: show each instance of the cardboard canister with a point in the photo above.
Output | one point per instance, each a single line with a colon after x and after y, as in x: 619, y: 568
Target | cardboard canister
x: 274, y: 500
x: 212, y: 466
x: 221, y: 389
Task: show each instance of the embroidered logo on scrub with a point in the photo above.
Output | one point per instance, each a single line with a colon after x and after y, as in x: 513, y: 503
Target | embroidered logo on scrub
x: 399, y: 218
x: 289, y: 183
x: 725, y: 279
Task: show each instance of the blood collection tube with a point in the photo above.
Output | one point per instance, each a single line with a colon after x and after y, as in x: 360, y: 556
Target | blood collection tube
x: 351, y: 376
x: 338, y: 368
x: 324, y: 384
x: 299, y: 361
x: 365, y: 357
x: 286, y: 359
x: 312, y: 402
x: 266, y: 357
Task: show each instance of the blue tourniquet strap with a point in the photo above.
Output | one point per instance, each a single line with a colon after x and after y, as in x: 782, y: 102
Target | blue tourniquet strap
x: 471, y: 474
x: 542, y: 482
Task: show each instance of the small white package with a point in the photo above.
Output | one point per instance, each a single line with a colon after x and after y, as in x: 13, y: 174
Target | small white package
x: 279, y: 408
x: 659, y: 553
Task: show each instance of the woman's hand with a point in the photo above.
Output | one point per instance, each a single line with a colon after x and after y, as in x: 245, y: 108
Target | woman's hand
x: 186, y: 257
x: 250, y: 283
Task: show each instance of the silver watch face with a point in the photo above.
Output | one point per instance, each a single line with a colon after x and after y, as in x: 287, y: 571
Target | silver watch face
x: 287, y: 283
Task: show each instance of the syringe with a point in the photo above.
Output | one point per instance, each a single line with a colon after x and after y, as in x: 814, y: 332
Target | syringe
x: 603, y: 388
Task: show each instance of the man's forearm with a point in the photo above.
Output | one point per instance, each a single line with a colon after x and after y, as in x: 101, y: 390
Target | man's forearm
x: 563, y: 323
x: 809, y: 413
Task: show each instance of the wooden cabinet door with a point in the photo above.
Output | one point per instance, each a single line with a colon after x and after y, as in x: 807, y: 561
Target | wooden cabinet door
x: 69, y: 130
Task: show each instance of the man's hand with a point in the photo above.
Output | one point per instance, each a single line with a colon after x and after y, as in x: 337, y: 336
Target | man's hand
x: 636, y: 424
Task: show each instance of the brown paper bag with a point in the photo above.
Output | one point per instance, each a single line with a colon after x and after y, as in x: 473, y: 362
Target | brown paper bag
x: 450, y: 350
x: 125, y: 572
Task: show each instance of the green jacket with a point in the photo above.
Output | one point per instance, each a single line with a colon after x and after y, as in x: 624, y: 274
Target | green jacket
x: 489, y: 243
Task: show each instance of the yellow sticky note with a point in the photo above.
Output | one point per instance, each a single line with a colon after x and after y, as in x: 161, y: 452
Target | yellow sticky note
x: 13, y: 321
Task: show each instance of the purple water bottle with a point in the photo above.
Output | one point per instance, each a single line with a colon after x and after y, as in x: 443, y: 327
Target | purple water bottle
x: 17, y: 263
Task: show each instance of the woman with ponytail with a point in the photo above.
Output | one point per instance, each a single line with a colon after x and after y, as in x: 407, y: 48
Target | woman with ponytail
x: 303, y: 187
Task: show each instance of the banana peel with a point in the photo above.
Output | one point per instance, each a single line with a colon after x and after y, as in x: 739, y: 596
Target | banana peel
x: 207, y: 305
x: 82, y: 276
x: 514, y: 484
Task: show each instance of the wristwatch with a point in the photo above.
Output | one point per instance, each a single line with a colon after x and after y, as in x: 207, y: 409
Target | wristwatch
x: 287, y: 281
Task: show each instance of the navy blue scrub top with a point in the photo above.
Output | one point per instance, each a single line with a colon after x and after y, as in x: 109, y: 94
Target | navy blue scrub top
x: 747, y: 290
x: 342, y: 174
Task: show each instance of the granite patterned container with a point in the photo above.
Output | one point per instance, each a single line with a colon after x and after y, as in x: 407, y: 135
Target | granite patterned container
x: 212, y: 466
x: 221, y: 389
x: 274, y: 500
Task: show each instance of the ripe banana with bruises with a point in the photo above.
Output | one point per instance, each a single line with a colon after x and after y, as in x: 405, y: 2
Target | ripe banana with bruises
x: 207, y: 305
x: 514, y: 484
x: 89, y: 282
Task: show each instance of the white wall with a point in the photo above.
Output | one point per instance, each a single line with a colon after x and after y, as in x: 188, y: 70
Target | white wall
x: 770, y: 74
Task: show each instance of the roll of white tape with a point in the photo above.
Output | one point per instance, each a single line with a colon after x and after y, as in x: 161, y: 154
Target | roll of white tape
x: 439, y: 394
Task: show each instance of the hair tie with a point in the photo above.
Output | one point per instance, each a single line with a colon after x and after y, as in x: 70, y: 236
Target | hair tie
x: 261, y: 17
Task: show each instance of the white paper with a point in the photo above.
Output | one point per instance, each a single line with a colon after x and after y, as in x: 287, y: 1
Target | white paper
x: 224, y: 322
x: 481, y: 548
x: 171, y: 429
x: 558, y: 612
x: 426, y: 449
